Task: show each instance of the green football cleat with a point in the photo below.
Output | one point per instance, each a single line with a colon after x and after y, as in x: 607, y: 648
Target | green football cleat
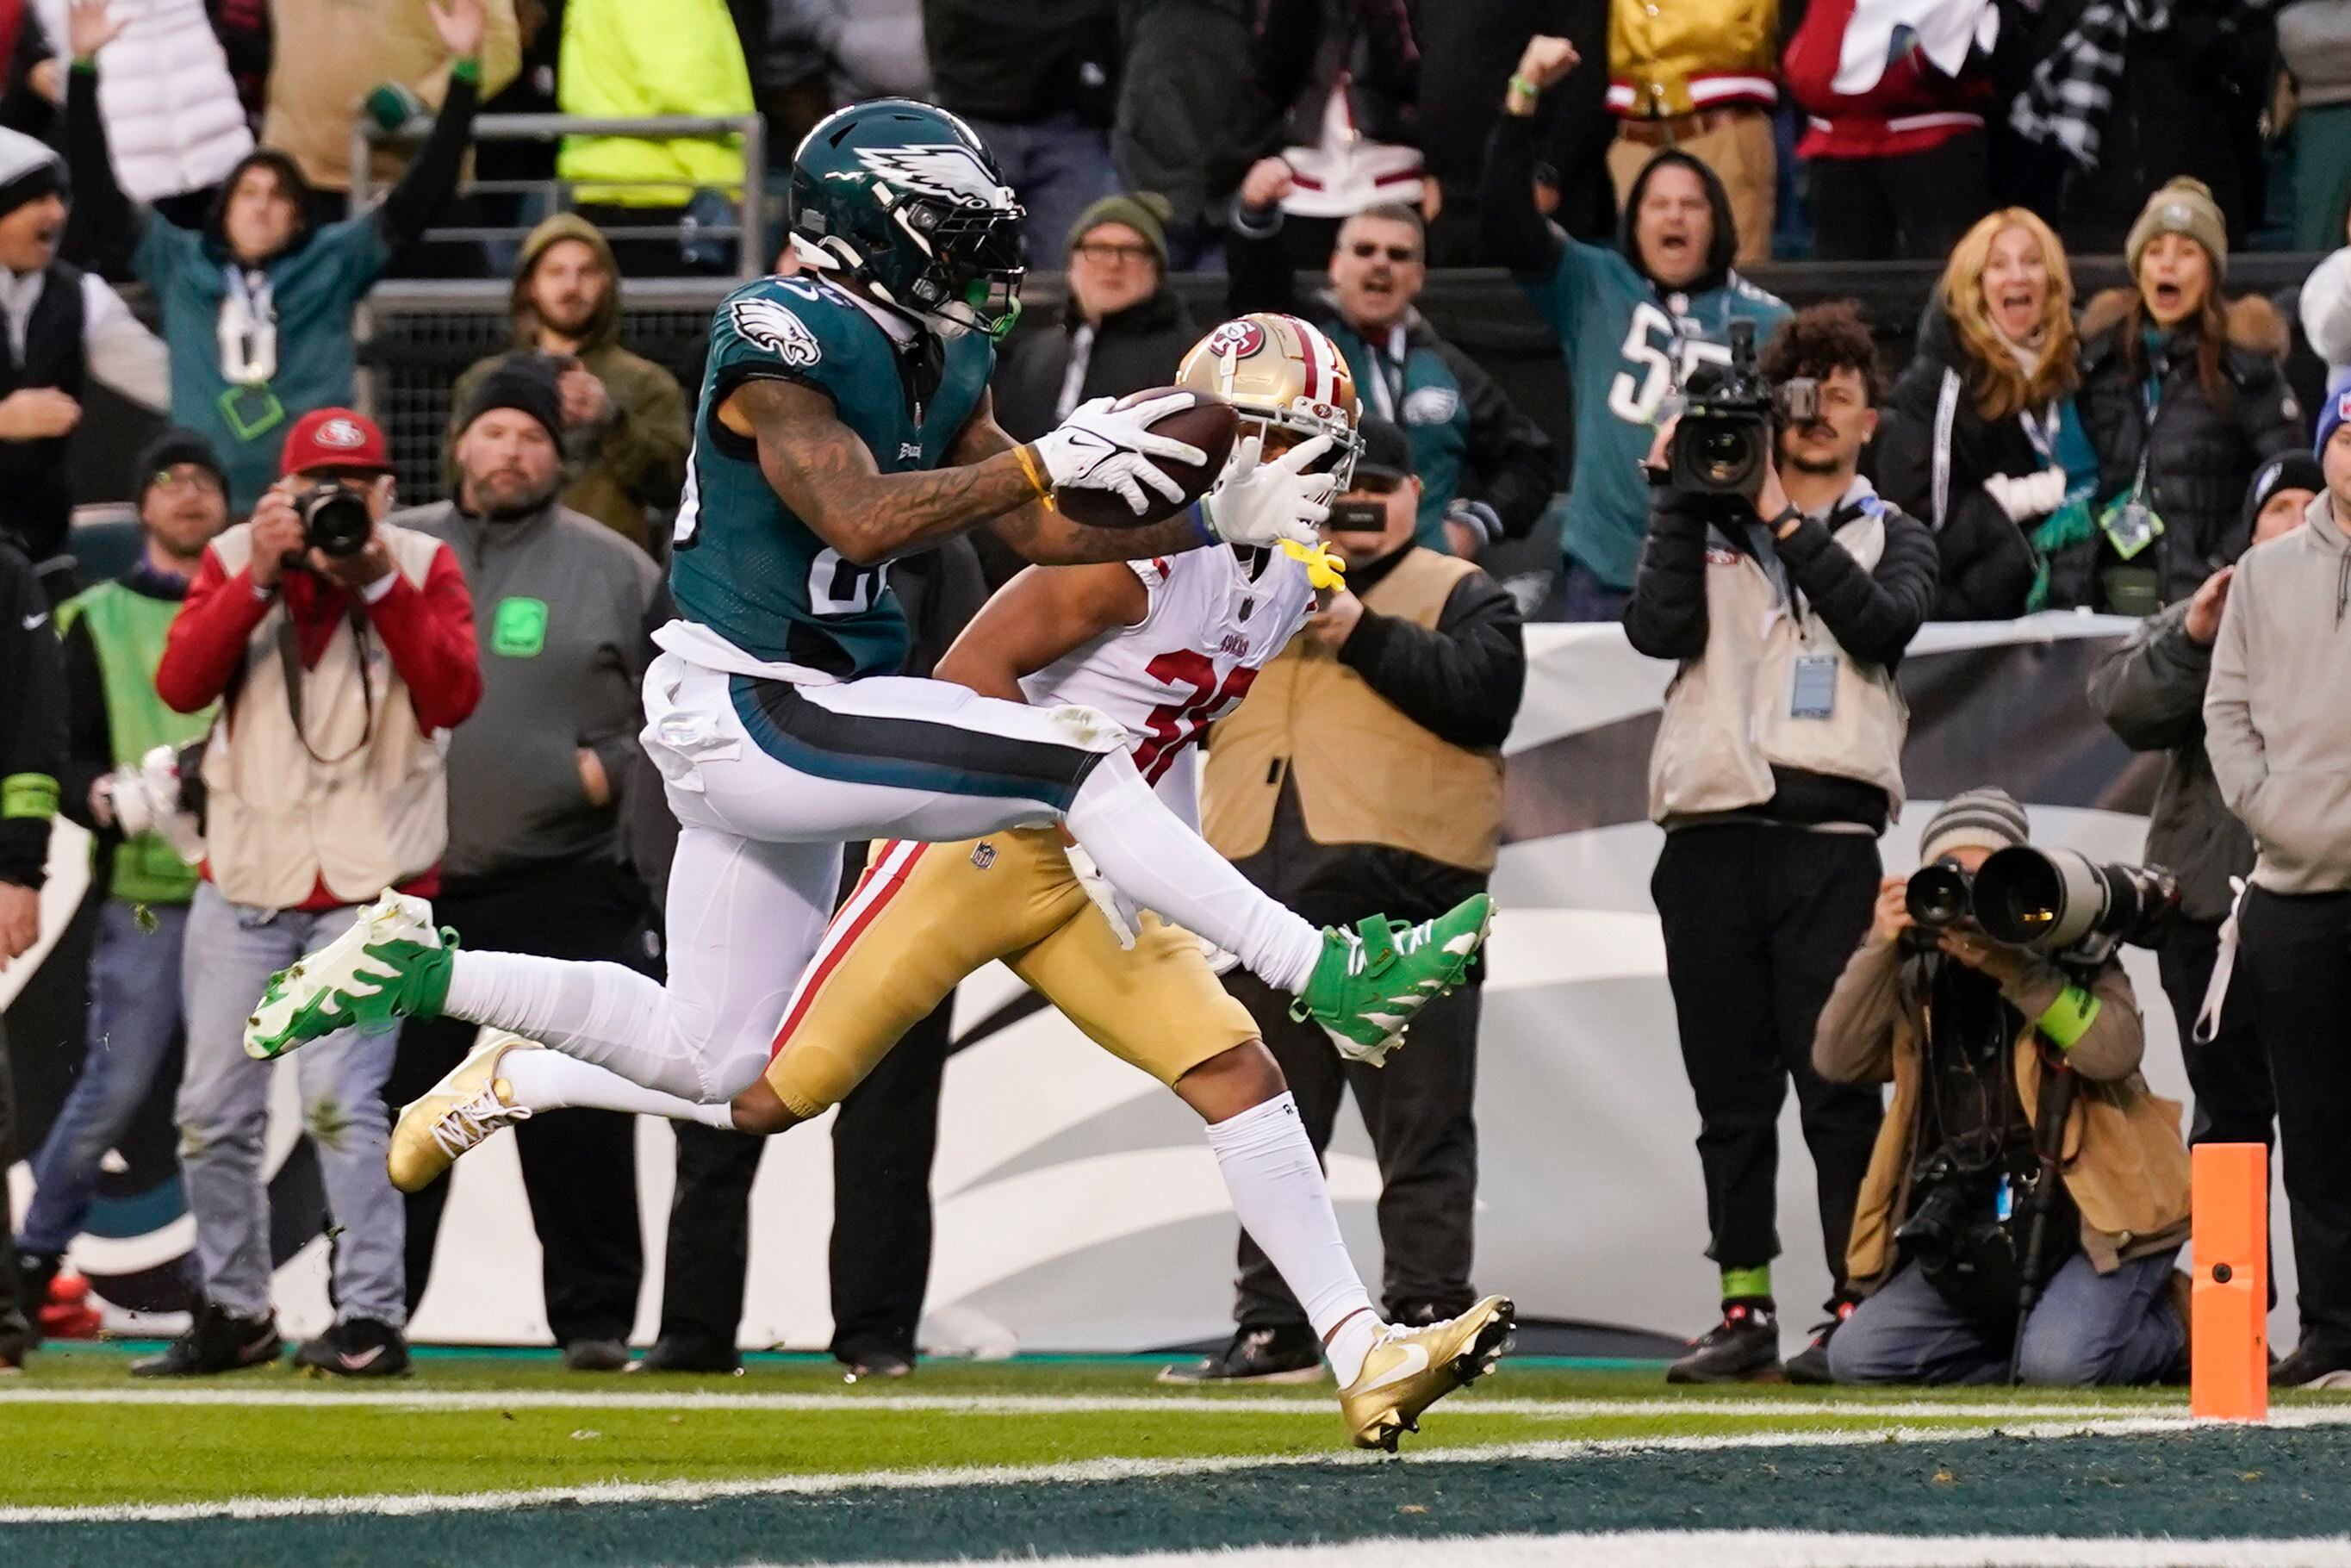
x: 1370, y: 981
x: 389, y: 965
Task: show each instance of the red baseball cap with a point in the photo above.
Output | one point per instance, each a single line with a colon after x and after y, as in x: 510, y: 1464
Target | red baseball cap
x: 335, y: 441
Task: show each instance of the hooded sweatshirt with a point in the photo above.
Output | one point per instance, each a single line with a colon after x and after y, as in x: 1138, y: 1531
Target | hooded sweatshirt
x: 2277, y: 712
x: 632, y: 461
x: 1629, y: 341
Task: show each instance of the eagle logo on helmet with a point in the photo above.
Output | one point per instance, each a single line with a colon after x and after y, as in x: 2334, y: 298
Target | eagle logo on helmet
x: 1239, y: 338
x: 944, y: 170
x: 771, y: 327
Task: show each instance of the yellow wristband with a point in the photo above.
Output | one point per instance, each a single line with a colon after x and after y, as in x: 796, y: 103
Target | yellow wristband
x: 1037, y: 479
x: 2069, y: 1018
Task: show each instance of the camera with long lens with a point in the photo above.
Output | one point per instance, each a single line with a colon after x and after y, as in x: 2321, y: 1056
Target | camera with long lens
x: 335, y: 521
x: 2060, y: 900
x: 1941, y: 897
x: 1723, y: 443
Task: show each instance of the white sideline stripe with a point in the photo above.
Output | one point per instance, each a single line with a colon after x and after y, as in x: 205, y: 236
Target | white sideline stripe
x: 1079, y: 1404
x: 1747, y: 1548
x: 390, y: 1504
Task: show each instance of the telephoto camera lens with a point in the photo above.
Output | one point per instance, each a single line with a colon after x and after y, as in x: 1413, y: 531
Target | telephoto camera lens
x: 1939, y: 897
x: 2050, y: 900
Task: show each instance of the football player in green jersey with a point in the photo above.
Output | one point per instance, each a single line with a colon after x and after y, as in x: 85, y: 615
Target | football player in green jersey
x: 845, y: 420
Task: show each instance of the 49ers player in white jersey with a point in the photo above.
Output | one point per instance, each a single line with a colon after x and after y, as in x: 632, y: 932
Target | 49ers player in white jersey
x: 1162, y: 646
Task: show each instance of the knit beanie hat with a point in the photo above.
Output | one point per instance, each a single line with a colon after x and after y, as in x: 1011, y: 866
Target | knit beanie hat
x: 2291, y: 471
x: 1146, y: 214
x: 2184, y: 206
x: 176, y: 445
x: 525, y: 382
x: 2333, y: 411
x: 1985, y: 818
x: 29, y: 169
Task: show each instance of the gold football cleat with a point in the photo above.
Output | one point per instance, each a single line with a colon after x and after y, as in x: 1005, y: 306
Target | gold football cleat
x: 456, y: 1115
x: 1411, y: 1369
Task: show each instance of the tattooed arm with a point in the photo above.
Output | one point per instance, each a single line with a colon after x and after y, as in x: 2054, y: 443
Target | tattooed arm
x: 1041, y: 534
x: 825, y: 474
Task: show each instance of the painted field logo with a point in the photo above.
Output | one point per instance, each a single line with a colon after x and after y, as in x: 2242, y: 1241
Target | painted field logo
x: 518, y: 629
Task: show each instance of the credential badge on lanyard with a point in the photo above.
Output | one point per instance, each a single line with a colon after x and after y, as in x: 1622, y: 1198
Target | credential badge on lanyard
x: 248, y: 353
x: 2130, y: 523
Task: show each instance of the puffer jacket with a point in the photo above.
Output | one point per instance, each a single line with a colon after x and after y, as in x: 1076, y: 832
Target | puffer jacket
x: 1932, y: 461
x: 2199, y: 457
x: 173, y: 119
x: 2150, y: 692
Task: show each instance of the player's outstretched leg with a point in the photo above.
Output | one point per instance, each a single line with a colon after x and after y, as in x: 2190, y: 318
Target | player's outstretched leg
x: 1362, y: 986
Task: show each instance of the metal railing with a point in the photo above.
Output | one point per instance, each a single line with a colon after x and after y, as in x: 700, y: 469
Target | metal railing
x: 746, y: 231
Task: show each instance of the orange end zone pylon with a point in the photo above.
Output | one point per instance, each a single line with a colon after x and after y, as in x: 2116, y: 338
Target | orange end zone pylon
x: 2230, y: 1310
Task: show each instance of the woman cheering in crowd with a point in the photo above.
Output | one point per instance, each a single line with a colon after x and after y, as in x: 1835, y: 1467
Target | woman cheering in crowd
x: 1982, y: 439
x: 2183, y: 400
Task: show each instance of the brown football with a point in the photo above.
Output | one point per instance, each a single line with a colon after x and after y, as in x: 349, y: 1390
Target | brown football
x: 1210, y: 424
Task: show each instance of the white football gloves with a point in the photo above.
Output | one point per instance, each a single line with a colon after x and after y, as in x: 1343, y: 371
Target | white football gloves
x: 146, y: 799
x: 1103, y: 447
x: 1125, y: 919
x: 1260, y: 503
x: 2024, y: 496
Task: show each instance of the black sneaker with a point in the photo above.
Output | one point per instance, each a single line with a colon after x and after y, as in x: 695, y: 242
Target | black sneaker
x: 596, y: 1355
x: 1744, y: 1347
x: 217, y: 1340
x: 356, y: 1347
x: 1287, y: 1354
x: 676, y: 1352
x: 1811, y: 1364
x: 875, y: 1362
x: 2314, y: 1363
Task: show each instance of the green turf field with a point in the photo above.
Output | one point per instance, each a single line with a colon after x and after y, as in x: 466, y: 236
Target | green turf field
x: 489, y: 1460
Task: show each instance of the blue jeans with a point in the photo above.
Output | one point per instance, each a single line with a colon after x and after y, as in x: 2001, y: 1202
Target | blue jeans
x: 1580, y: 595
x: 1058, y: 167
x: 134, y: 1010
x: 224, y: 1114
x: 2087, y: 1329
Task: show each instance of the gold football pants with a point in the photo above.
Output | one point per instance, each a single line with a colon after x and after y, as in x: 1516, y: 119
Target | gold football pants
x: 924, y: 917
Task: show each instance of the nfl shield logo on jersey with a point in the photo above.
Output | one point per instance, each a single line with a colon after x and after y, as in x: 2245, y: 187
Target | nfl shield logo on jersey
x: 983, y: 854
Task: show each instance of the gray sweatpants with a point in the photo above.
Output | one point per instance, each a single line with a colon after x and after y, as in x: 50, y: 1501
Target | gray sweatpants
x: 224, y: 1114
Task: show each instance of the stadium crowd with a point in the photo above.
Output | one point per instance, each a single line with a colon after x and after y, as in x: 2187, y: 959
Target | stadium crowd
x: 444, y: 698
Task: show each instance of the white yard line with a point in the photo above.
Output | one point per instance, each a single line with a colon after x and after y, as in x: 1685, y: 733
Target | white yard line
x: 1112, y: 1469
x: 1747, y: 1548
x: 458, y: 1399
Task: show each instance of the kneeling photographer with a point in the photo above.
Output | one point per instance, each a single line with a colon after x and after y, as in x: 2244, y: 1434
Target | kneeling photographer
x: 339, y: 649
x: 2028, y: 1194
x: 1788, y: 589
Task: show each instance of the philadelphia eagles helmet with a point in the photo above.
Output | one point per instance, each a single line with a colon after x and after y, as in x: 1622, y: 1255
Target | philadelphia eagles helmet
x: 902, y: 196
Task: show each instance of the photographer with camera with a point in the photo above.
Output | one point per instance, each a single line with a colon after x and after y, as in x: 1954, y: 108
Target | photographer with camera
x: 2028, y: 1194
x: 2277, y: 729
x: 1787, y: 590
x: 340, y: 650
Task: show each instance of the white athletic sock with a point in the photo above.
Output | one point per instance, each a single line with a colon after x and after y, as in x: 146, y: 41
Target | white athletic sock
x: 551, y: 1081
x: 1152, y: 857
x: 600, y: 1013
x: 1284, y: 1203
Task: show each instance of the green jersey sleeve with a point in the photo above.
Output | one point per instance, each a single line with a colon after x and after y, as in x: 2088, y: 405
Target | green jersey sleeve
x: 776, y: 328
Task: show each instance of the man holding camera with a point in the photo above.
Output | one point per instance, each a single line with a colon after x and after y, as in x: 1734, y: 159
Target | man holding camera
x: 2275, y: 728
x: 341, y: 651
x: 1787, y: 589
x: 1995, y: 1180
x: 1365, y: 765
x: 533, y: 863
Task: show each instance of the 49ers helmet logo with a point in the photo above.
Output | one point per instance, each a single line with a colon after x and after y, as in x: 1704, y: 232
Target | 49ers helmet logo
x: 1239, y: 338
x: 341, y: 434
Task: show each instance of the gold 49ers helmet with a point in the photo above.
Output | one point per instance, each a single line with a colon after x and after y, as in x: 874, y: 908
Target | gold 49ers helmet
x: 1287, y: 379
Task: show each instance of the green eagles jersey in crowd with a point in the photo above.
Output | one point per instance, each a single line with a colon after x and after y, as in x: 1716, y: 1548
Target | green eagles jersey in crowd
x: 1627, y: 345
x: 748, y: 569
